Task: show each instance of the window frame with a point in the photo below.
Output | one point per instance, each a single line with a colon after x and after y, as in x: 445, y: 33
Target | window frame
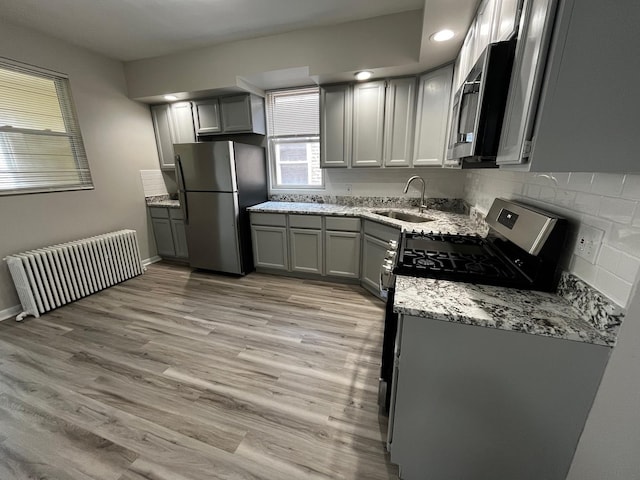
x: 72, y: 133
x: 273, y: 140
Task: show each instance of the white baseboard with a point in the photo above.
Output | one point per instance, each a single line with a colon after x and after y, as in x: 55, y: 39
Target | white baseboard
x: 10, y: 312
x: 149, y: 261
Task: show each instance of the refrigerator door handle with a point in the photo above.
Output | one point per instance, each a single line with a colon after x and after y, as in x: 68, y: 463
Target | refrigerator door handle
x: 181, y: 193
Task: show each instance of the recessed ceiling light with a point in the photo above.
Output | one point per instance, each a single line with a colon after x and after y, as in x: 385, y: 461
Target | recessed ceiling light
x: 171, y: 98
x: 363, y: 75
x: 442, y: 36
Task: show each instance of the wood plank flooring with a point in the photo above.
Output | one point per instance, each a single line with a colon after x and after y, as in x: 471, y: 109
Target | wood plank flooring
x: 179, y: 375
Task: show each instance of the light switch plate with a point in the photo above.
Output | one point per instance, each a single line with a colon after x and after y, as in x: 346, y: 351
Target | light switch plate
x: 588, y: 243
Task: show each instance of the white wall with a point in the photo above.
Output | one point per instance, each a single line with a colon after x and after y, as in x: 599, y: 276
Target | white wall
x: 385, y: 41
x: 118, y: 137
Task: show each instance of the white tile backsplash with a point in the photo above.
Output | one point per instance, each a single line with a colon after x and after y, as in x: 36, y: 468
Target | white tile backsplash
x: 607, y: 183
x: 153, y: 183
x: 617, y: 209
x: 610, y: 202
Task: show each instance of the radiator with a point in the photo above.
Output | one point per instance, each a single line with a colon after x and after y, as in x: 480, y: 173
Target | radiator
x: 50, y: 277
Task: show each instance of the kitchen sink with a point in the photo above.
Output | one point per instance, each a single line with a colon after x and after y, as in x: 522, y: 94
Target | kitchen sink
x: 405, y: 217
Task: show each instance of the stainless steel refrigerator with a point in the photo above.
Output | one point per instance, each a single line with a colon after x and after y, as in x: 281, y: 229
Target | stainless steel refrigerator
x: 217, y: 181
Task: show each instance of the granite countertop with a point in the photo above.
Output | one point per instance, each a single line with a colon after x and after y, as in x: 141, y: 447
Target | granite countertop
x: 164, y: 203
x: 442, y: 221
x: 525, y: 311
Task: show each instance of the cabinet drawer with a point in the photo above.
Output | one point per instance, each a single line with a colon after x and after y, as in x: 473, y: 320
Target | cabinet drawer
x: 275, y: 219
x: 305, y: 221
x: 159, y: 212
x: 343, y: 224
x: 176, y: 214
x: 381, y: 232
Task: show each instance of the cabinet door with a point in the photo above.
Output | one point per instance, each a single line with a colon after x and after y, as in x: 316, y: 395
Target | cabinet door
x: 434, y: 98
x: 483, y: 28
x: 236, y: 113
x: 368, y: 123
x: 524, y: 88
x: 342, y: 254
x: 373, y: 252
x: 179, y: 238
x: 505, y: 19
x: 306, y: 250
x: 270, y: 247
x: 206, y: 116
x: 163, y: 128
x: 183, y: 131
x: 164, y: 237
x: 399, y: 122
x: 335, y: 126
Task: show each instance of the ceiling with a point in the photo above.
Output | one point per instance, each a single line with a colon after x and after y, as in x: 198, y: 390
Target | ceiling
x: 136, y: 29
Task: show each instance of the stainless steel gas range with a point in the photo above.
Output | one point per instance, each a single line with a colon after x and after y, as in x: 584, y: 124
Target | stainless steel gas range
x: 522, y: 250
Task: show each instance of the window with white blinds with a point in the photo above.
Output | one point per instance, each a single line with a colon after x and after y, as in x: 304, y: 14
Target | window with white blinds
x: 293, y: 131
x: 41, y: 148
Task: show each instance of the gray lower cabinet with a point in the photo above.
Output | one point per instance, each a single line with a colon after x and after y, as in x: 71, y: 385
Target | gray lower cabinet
x: 342, y: 254
x: 486, y: 404
x: 306, y: 250
x: 179, y: 238
x: 169, y: 232
x: 164, y: 237
x: 307, y: 244
x: 270, y: 247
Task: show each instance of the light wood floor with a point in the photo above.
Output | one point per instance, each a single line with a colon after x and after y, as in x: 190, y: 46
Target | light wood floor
x: 177, y: 375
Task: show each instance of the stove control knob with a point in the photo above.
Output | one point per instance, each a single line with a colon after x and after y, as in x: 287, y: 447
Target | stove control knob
x: 387, y: 263
x: 390, y: 254
x: 393, y: 244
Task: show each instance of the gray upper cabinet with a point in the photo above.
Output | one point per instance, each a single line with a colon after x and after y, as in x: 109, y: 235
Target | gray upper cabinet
x: 172, y: 123
x: 243, y: 113
x: 368, y: 124
x: 206, y: 116
x: 505, y: 19
x: 183, y: 131
x: 335, y: 126
x: 434, y: 96
x: 559, y: 119
x: 400, y: 114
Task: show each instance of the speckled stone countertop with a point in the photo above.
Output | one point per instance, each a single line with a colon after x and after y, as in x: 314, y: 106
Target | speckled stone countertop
x: 525, y: 311
x: 441, y: 221
x: 162, y: 201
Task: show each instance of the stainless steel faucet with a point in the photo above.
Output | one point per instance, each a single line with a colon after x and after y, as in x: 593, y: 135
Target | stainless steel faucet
x: 406, y: 189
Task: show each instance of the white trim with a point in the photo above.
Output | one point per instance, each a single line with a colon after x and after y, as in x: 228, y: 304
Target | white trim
x: 149, y: 261
x: 10, y: 312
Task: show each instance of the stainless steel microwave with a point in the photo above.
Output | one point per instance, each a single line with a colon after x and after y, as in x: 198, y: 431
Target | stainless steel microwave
x: 478, y: 107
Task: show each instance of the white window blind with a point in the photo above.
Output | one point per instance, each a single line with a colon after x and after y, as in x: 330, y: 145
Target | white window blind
x: 41, y: 148
x: 293, y: 129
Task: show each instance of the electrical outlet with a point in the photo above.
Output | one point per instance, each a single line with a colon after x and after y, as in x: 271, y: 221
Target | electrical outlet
x: 588, y: 243
x: 348, y: 188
